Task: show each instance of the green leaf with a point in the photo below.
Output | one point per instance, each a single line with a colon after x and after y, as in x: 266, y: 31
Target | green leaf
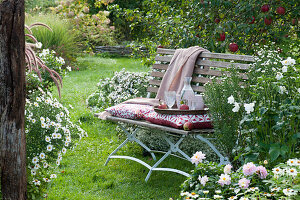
x: 274, y: 154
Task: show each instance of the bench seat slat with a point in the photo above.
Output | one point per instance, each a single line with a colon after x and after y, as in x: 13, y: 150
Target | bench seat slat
x: 157, y: 74
x: 211, y: 72
x: 152, y: 89
x: 160, y: 66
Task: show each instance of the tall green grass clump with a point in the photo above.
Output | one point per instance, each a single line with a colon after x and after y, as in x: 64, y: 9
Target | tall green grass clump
x: 31, y: 4
x: 62, y: 39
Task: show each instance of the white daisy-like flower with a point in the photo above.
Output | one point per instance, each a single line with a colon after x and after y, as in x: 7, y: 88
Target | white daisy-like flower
x: 57, y: 162
x: 54, y: 136
x: 58, y: 136
x: 197, y: 157
x: 38, y: 99
x: 33, y: 172
x: 236, y: 107
x: 35, y: 159
x: 52, y: 123
x: 292, y: 162
x: 37, y: 166
x: 69, y: 68
x: 42, y: 155
x: 42, y: 119
x: 193, y: 195
x: 47, y: 120
x: 61, y: 114
x: 36, y: 104
x: 66, y: 143
x: 43, y: 125
x: 38, y: 45
x: 292, y: 172
x: 53, y: 176
x: 227, y: 169
x: 33, y: 120
x: 205, y: 191
x: 36, y: 182
x: 218, y: 191
x: 288, y: 61
x: 48, y: 139
x: 233, y: 197
x: 275, y: 189
x: 282, y: 89
x: 46, y: 180
x: 279, y: 76
x: 45, y: 165
x: 218, y: 197
x: 289, y: 192
x: 49, y: 147
x: 64, y: 150
x: 244, y: 198
x: 59, y: 157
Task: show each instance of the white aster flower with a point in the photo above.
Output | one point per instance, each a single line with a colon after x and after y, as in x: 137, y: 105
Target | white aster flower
x: 292, y: 162
x: 57, y: 162
x: 284, y: 69
x: 36, y: 166
x: 53, y: 176
x: 45, y: 165
x: 69, y: 68
x: 36, y: 182
x: 249, y: 107
x: 38, y: 99
x: 218, y: 197
x: 289, y: 192
x: 49, y: 147
x: 47, y: 120
x: 36, y: 104
x: 54, y: 136
x: 233, y: 197
x: 35, y: 159
x: 64, y: 150
x: 298, y: 90
x: 43, y: 125
x: 33, y: 120
x: 288, y: 61
x: 231, y: 100
x: 46, y: 180
x: 205, y: 191
x: 218, y: 191
x: 42, y: 155
x: 42, y: 119
x: 33, y: 172
x: 48, y: 139
x: 244, y: 198
x: 275, y: 189
x: 292, y: 172
x: 282, y: 89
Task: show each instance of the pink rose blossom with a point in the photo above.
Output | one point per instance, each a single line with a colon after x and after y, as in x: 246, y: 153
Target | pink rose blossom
x: 227, y: 169
x: 261, y: 172
x: 249, y: 169
x: 224, y: 180
x: 244, y: 183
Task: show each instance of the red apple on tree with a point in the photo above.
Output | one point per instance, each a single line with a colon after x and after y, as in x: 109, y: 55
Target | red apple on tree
x: 188, y: 126
x: 217, y: 20
x: 222, y: 37
x: 294, y: 21
x: 268, y: 21
x: 280, y: 10
x: 233, y: 47
x: 265, y: 8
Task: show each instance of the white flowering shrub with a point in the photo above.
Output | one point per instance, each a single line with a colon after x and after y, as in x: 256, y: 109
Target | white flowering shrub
x: 49, y: 134
x: 250, y: 181
x: 122, y: 86
x: 259, y: 119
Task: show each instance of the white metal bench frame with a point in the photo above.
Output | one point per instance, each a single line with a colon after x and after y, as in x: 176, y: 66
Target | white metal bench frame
x: 204, y: 70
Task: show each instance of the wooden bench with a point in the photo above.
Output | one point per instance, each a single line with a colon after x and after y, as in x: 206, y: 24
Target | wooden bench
x: 207, y: 67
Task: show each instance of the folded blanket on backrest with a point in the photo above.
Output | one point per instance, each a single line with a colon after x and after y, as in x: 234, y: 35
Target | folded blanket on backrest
x: 181, y: 65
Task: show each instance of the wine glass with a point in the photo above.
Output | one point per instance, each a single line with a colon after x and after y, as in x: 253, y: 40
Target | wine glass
x: 170, y: 97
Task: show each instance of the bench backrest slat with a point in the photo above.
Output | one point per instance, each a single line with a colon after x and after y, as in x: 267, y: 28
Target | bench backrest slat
x: 208, y: 66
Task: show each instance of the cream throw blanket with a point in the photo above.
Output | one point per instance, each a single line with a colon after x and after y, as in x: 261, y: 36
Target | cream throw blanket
x: 181, y: 65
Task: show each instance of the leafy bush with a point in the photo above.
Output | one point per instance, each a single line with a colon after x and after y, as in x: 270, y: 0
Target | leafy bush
x: 210, y: 181
x: 260, y: 120
x: 62, y: 38
x: 49, y: 133
x: 32, y: 4
x: 226, y: 120
x: 92, y: 28
x: 122, y: 86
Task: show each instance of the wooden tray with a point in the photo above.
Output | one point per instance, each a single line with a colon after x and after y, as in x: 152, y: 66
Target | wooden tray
x: 179, y: 112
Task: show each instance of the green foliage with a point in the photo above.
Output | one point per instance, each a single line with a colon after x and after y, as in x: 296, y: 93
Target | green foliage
x: 49, y: 133
x: 226, y: 122
x: 30, y: 5
x: 175, y: 24
x: 62, y: 39
x: 248, y: 182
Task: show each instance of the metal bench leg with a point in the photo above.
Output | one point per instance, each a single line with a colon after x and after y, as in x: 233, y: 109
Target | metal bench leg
x: 173, y: 148
x: 223, y: 160
x: 130, y: 137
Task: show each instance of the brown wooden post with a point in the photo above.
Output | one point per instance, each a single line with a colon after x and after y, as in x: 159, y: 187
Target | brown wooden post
x: 12, y: 100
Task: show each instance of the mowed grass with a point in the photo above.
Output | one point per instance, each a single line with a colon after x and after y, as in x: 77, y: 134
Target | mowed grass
x: 83, y: 174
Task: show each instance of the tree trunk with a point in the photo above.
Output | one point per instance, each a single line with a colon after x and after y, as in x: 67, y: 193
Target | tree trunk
x: 12, y: 100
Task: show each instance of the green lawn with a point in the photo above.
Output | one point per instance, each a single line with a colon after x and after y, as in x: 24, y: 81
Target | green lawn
x: 84, y: 174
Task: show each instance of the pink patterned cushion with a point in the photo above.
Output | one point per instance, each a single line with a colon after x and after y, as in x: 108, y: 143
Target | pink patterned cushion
x: 177, y: 121
x: 130, y: 111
